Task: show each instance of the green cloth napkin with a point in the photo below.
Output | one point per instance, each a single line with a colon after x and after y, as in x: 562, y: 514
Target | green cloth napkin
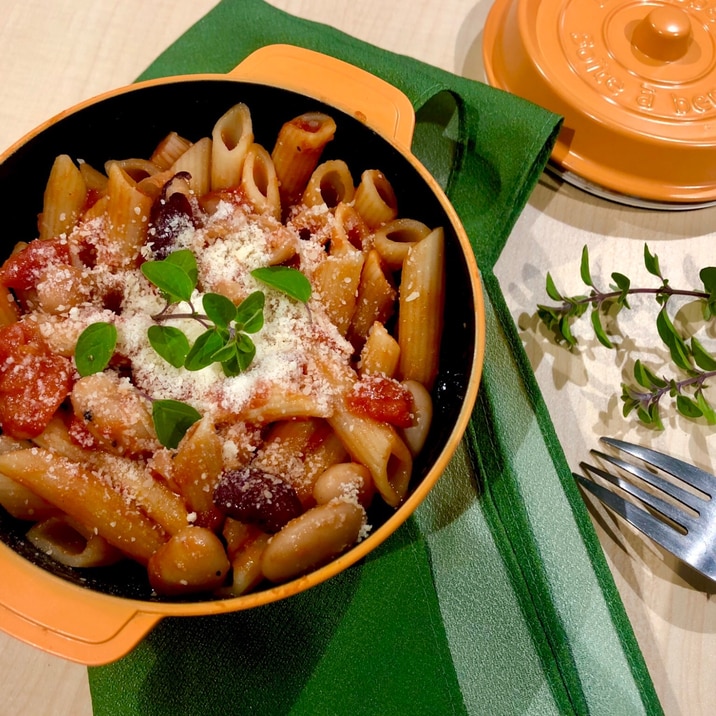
x: 495, y: 597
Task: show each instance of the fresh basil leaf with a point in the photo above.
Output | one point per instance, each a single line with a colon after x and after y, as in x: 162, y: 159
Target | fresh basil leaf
x: 95, y: 348
x: 172, y: 419
x: 171, y: 279
x: 250, y: 313
x: 201, y: 353
x: 285, y: 279
x: 170, y: 343
x: 219, y: 309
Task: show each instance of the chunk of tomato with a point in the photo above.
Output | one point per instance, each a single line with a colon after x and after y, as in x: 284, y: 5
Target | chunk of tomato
x: 24, y: 269
x: 383, y: 399
x: 33, y: 381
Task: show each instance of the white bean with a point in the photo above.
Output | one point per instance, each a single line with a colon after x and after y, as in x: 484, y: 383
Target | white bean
x: 416, y: 435
x: 312, y: 539
x: 344, y: 480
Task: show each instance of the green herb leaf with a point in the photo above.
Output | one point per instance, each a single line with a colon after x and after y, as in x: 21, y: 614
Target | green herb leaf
x: 688, y: 407
x: 95, y: 348
x: 170, y: 343
x: 651, y: 261
x: 706, y: 410
x: 285, y: 279
x: 219, y: 309
x: 171, y: 279
x: 186, y: 261
x: 599, y: 331
x: 250, y: 313
x: 172, y: 419
x: 584, y: 267
x: 674, y: 342
x: 202, y: 352
x: 702, y: 357
x: 551, y: 289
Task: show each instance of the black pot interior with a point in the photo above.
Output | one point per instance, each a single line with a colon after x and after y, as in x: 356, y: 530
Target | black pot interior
x: 130, y: 125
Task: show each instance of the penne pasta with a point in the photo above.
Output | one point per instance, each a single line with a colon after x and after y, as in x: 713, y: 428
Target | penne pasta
x: 231, y: 139
x: 64, y: 198
x: 214, y: 360
x: 259, y: 182
x: 420, y: 314
x: 86, y: 497
x: 331, y: 184
x: 297, y: 152
x: 375, y: 199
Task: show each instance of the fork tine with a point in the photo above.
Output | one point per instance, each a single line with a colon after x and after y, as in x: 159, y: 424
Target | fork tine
x: 690, y: 474
x: 652, y: 527
x: 685, y: 497
x: 665, y: 508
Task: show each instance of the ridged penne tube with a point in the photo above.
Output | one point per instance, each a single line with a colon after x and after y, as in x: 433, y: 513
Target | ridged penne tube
x: 375, y: 301
x: 378, y: 447
x: 87, y: 498
x: 375, y: 199
x: 69, y: 543
x: 380, y: 353
x: 128, y: 477
x: 393, y: 240
x: 169, y: 150
x: 131, y: 478
x: 22, y: 503
x: 127, y: 216
x: 232, y: 136
x: 336, y: 280
x: 95, y: 180
x: 331, y: 183
x: 373, y: 444
x: 259, y: 182
x: 135, y: 167
x: 64, y: 198
x: 355, y: 232
x: 195, y: 471
x: 197, y: 162
x: 298, y: 150
x: 420, y: 312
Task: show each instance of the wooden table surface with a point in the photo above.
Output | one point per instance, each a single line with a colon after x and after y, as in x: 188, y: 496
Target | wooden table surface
x: 54, y: 54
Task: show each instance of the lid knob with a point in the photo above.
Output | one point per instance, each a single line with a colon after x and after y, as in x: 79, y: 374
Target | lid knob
x: 664, y: 34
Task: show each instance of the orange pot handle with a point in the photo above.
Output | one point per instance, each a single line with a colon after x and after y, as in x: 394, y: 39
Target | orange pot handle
x: 370, y: 99
x: 96, y: 628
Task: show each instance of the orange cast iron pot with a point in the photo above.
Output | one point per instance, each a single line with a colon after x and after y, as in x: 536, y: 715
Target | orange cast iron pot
x: 96, y: 616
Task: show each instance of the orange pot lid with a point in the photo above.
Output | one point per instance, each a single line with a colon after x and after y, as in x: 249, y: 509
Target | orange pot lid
x: 635, y: 82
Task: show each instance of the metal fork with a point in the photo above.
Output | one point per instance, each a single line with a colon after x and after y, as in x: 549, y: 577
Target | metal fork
x: 689, y: 534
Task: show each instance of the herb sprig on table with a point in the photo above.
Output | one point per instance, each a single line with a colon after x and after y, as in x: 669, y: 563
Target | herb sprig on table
x: 694, y: 364
x: 226, y: 339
